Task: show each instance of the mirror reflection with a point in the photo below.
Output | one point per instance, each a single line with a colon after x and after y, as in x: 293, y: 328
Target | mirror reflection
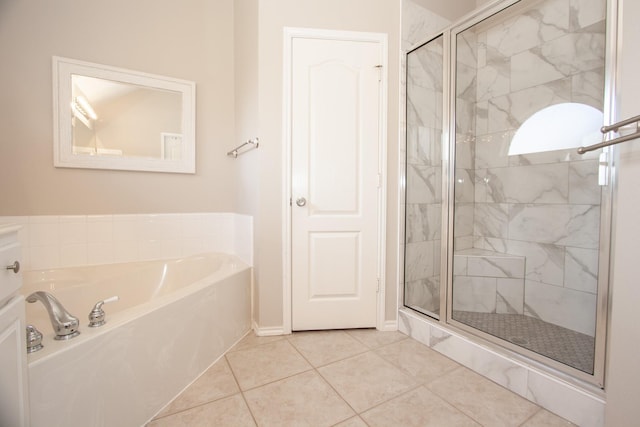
x: 120, y: 119
x: 113, y: 118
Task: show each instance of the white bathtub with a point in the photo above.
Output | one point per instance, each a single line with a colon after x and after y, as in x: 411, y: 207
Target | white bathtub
x: 173, y: 320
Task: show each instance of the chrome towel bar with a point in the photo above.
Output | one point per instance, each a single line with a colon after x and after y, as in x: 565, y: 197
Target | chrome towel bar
x: 615, y: 127
x: 234, y: 153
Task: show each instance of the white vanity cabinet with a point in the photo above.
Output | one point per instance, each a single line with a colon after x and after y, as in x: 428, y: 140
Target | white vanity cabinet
x: 14, y: 403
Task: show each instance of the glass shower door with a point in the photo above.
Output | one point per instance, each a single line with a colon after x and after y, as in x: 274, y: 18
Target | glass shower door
x: 527, y: 220
x: 423, y: 197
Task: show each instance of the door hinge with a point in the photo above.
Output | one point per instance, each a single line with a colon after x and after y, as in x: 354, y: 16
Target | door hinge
x: 379, y: 67
x: 378, y: 287
x: 379, y: 180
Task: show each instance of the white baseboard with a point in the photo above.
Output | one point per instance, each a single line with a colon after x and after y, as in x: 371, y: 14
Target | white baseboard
x: 390, y: 326
x: 267, y: 331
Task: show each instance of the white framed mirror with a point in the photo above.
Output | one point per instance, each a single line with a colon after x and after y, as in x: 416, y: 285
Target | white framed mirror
x: 112, y: 118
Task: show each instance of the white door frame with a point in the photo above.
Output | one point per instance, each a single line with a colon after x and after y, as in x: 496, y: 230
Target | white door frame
x: 289, y: 35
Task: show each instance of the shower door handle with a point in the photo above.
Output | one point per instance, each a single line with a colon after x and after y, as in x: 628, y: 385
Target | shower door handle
x: 301, y: 201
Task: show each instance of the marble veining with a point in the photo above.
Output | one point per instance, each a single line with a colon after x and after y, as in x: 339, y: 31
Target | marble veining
x: 581, y: 406
x: 544, y: 207
x: 510, y: 296
x: 581, y: 269
x: 423, y: 209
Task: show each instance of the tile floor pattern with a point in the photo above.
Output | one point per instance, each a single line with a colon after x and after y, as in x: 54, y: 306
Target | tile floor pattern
x: 351, y: 378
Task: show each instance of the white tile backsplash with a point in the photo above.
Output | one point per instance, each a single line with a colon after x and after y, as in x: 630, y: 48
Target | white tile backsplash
x: 73, y: 230
x: 73, y: 254
x: 50, y: 241
x: 44, y: 233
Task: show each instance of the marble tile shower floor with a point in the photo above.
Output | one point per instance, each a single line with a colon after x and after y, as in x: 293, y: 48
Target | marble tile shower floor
x: 564, y: 345
x: 359, y: 377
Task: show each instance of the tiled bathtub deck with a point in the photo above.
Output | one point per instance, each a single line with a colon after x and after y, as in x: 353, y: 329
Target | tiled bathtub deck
x: 346, y: 378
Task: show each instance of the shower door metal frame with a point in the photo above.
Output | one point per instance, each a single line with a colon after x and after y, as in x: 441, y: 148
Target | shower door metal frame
x: 606, y: 209
x: 444, y: 144
x: 559, y: 369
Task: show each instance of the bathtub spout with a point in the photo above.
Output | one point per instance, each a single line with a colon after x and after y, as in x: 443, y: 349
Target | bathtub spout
x: 64, y: 324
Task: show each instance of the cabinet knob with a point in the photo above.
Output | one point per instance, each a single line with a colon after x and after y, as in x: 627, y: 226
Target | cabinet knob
x: 15, y: 267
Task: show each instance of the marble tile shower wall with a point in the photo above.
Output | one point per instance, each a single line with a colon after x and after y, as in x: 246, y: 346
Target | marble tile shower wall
x: 423, y: 154
x: 546, y: 206
x: 52, y: 241
x: 466, y: 119
x: 424, y: 176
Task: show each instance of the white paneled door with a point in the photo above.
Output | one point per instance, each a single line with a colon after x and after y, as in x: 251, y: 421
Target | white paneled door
x: 335, y: 182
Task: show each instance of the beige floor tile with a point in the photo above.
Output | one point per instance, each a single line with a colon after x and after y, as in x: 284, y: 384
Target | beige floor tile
x: 352, y: 422
x: 323, y: 347
x: 366, y: 380
x: 418, y: 408
x: 230, y: 411
x: 545, y: 418
x: 302, y: 400
x: 418, y: 360
x: 251, y: 340
x: 481, y: 399
x: 217, y: 382
x: 259, y: 365
x: 374, y: 338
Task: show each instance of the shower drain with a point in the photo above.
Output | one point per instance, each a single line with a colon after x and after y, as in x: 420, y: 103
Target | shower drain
x: 519, y: 340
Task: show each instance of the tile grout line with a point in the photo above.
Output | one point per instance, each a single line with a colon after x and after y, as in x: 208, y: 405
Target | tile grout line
x: 222, y: 357
x: 532, y: 415
x: 423, y: 383
x: 356, y: 414
x: 471, y: 415
x: 234, y: 350
x: 373, y: 352
x: 451, y: 403
x: 244, y: 398
x: 240, y: 391
x: 327, y: 382
x: 366, y: 349
x: 458, y: 365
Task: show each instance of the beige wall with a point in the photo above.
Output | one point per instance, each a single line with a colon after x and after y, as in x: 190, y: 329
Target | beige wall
x: 246, y: 167
x: 189, y: 39
x: 451, y: 10
x: 246, y: 102
x: 273, y: 15
x: 623, y: 369
x: 233, y: 51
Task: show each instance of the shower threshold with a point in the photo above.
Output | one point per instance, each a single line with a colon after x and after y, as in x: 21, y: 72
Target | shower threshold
x: 561, y: 344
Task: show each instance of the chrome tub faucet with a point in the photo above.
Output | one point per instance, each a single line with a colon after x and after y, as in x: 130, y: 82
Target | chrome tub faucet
x: 64, y: 324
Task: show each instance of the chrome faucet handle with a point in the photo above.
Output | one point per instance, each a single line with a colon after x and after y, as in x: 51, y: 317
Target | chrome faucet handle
x: 34, y: 339
x: 65, y: 325
x: 97, y: 315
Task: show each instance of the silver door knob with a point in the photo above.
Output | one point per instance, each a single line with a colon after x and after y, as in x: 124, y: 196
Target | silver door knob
x: 301, y: 201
